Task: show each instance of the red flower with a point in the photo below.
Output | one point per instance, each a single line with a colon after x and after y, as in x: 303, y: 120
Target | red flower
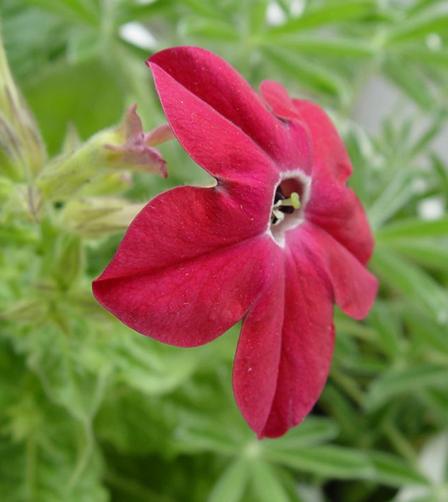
x: 275, y: 243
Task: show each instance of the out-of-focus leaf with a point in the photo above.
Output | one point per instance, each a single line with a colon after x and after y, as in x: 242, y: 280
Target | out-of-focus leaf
x: 68, y: 266
x: 121, y: 422
x: 426, y: 333
x: 65, y: 94
x: 326, y: 47
x: 441, y: 170
x: 437, y: 399
x: 394, y: 196
x: 432, y: 461
x: 135, y: 11
x: 423, y: 6
x: 411, y: 281
x: 307, y: 74
x: 210, y: 29
x: 47, y: 460
x: 411, y: 82
x: 231, y: 485
x: 66, y: 382
x: 424, y: 140
x: 347, y: 415
x: 257, y: 15
x: 392, y: 471
x: 266, y: 485
x: 407, y: 381
x: 312, y: 431
x: 421, y: 55
x: 75, y: 10
x: 150, y: 367
x: 205, y: 9
x: 387, y: 329
x: 330, y: 13
x: 430, y: 253
x: 413, y: 228
x: 326, y: 461
x: 418, y: 26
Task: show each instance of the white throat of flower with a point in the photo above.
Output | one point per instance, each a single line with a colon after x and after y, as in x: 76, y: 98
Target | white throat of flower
x: 289, y: 199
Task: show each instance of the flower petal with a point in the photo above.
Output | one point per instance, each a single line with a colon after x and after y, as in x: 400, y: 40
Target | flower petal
x: 258, y: 353
x: 337, y: 210
x: 297, y: 353
x: 330, y: 158
x: 203, y: 96
x: 276, y: 96
x: 354, y: 287
x: 188, y: 267
x: 332, y: 205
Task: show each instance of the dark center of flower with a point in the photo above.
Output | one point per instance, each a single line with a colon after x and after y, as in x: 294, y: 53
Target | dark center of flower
x: 287, y: 208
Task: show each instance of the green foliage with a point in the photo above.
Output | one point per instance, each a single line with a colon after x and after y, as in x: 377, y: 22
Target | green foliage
x: 90, y: 411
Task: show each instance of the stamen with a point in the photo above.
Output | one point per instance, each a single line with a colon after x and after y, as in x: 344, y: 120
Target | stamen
x: 292, y: 201
x: 283, y: 206
x: 278, y: 216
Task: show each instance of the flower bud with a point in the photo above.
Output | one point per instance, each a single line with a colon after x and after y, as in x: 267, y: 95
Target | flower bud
x: 31, y: 310
x: 22, y: 153
x: 98, y: 216
x: 122, y: 147
x: 69, y: 261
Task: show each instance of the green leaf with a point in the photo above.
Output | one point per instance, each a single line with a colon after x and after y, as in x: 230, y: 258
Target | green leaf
x: 406, y: 381
x: 325, y: 47
x: 429, y: 134
x: 312, y: 431
x: 423, y: 56
x: 202, y: 8
x: 74, y: 10
x: 49, y: 463
x: 123, y: 422
x: 324, y: 461
x: 330, y: 13
x: 393, y: 197
x: 410, y: 80
x: 387, y: 329
x: 426, y: 333
x: 307, y: 74
x: 437, y: 401
x: 423, y: 6
x: 418, y: 26
x: 413, y: 228
x: 210, y: 29
x: 231, y: 485
x: 150, y: 367
x: 256, y: 16
x: 430, y: 253
x: 131, y: 12
x: 391, y: 470
x: 411, y: 281
x: 58, y: 363
x: 266, y: 485
x: 56, y: 99
x: 69, y: 261
x: 441, y: 170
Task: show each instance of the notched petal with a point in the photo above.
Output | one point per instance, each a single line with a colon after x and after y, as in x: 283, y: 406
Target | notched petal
x: 278, y: 100
x: 190, y: 265
x: 285, y: 351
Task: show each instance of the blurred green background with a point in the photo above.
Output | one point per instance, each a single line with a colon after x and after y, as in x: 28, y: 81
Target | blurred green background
x: 90, y: 411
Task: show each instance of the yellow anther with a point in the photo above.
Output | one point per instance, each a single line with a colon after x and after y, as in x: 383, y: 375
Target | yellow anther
x: 292, y: 201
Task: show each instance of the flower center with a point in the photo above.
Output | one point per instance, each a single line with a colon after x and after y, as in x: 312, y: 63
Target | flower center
x: 290, y: 197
